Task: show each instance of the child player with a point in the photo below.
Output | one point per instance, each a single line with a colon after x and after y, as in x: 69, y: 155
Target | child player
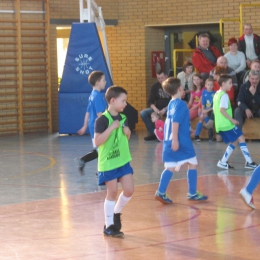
x: 226, y: 126
x: 111, y: 138
x: 177, y: 145
x: 96, y: 106
x: 207, y: 106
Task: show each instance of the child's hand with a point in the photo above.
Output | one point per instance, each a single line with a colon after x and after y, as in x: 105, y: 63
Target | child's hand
x: 160, y: 129
x: 127, y: 132
x: 175, y: 145
x: 115, y: 124
x: 234, y: 121
x: 82, y: 130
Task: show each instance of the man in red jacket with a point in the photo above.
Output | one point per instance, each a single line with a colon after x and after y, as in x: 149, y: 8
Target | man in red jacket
x: 205, y: 56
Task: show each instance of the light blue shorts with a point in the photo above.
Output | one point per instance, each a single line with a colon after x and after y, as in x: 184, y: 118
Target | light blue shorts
x: 231, y: 135
x: 117, y: 173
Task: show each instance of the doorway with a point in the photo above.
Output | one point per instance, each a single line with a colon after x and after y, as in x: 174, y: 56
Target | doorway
x: 179, y: 36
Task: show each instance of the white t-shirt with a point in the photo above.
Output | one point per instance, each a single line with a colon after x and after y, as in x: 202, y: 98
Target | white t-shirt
x: 224, y: 101
x: 250, y: 50
x: 236, y: 62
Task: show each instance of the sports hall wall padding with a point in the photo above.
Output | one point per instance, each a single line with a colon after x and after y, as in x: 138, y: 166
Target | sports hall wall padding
x: 84, y: 55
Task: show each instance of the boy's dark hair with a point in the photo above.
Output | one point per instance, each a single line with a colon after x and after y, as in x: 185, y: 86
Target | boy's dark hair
x: 187, y: 64
x: 114, y: 92
x: 171, y: 85
x: 223, y: 78
x: 95, y: 76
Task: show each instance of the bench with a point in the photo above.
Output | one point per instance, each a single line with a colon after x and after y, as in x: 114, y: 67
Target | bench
x: 251, y: 128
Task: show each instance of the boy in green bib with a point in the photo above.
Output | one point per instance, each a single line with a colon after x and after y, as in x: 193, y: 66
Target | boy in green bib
x: 111, y: 137
x: 226, y: 125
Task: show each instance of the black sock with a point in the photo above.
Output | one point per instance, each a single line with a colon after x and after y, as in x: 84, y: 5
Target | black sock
x: 90, y: 156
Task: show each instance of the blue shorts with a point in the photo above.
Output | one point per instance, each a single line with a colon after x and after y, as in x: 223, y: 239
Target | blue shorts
x: 117, y: 173
x: 231, y: 135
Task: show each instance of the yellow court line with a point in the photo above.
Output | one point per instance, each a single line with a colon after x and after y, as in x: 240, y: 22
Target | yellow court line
x: 53, y: 162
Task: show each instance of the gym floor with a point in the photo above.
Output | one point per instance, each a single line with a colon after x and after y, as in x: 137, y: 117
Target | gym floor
x: 48, y: 211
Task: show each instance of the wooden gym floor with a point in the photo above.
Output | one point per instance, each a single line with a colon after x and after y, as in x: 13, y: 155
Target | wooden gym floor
x: 49, y: 212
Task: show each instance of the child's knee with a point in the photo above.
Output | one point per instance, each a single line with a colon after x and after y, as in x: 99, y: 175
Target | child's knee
x: 129, y: 192
x: 241, y: 139
x: 192, y: 166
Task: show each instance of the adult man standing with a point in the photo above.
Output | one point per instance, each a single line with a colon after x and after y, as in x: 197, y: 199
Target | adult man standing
x: 158, y: 102
x: 205, y: 56
x: 249, y: 44
x: 248, y: 100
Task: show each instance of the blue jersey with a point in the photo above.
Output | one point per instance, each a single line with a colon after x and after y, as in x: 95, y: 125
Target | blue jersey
x: 96, y: 104
x: 207, y: 98
x: 177, y: 112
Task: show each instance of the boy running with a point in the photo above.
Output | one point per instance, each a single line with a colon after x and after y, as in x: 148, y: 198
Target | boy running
x: 226, y: 126
x: 177, y: 146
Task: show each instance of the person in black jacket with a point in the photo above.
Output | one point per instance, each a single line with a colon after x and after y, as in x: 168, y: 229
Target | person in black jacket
x: 249, y: 44
x: 158, y: 102
x: 248, y: 100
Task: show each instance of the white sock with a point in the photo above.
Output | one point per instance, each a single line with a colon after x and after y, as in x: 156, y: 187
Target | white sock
x: 109, y: 212
x: 245, y: 152
x: 227, y: 153
x: 121, y: 202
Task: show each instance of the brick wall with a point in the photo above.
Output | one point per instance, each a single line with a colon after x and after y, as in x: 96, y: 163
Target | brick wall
x: 131, y: 41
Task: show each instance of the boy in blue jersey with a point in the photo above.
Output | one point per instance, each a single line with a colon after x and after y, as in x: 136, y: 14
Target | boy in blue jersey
x: 96, y: 106
x: 177, y: 145
x: 226, y: 126
x: 207, y: 104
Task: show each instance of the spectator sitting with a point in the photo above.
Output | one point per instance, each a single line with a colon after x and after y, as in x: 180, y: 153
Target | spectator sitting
x: 236, y: 59
x: 249, y: 44
x: 194, y: 103
x: 186, y: 79
x: 159, y: 126
x: 255, y: 65
x: 205, y: 56
x: 218, y: 71
x: 207, y: 104
x: 222, y: 62
x: 158, y: 102
x: 248, y: 99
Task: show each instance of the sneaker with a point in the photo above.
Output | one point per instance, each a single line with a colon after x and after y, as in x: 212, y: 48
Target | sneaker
x: 111, y: 231
x: 210, y: 134
x: 248, y: 198
x: 197, y: 196
x: 80, y: 165
x: 117, y: 221
x: 251, y: 165
x: 224, y: 165
x: 197, y: 138
x: 162, y: 198
x: 150, y: 137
